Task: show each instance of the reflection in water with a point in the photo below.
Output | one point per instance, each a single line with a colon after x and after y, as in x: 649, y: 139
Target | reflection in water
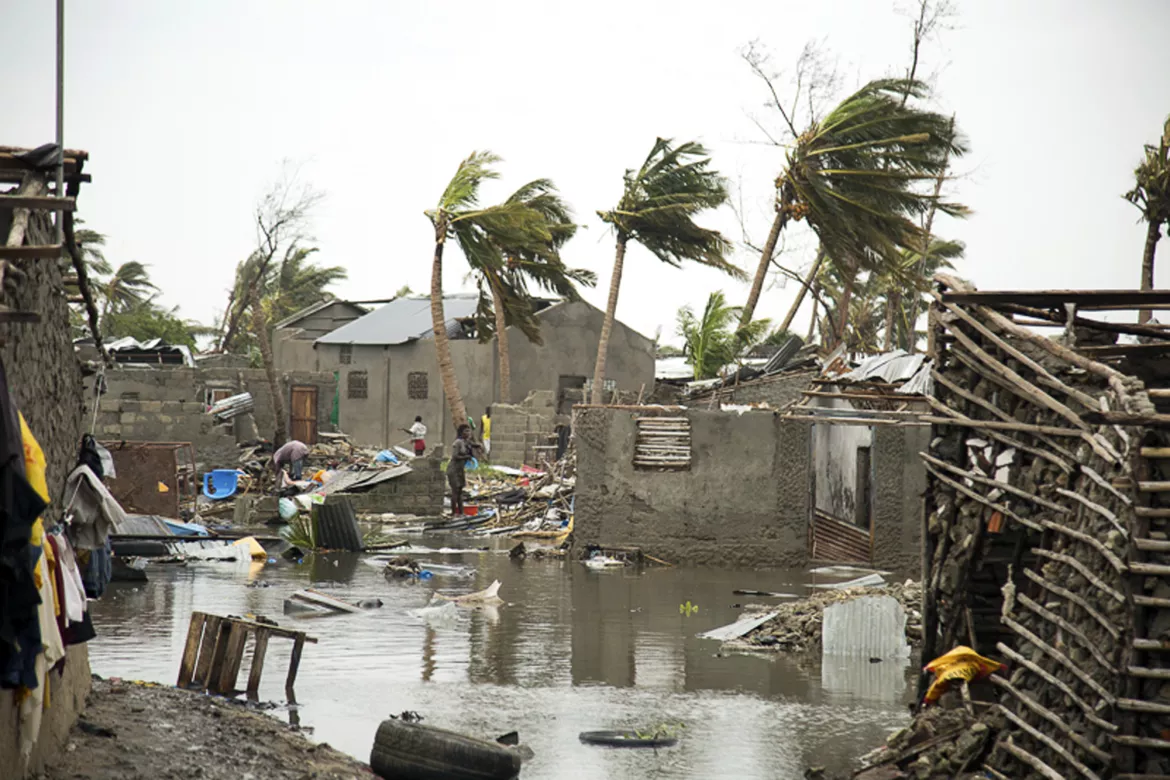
x: 572, y: 650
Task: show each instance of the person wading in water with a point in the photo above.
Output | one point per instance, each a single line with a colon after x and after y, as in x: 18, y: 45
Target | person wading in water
x: 462, y: 451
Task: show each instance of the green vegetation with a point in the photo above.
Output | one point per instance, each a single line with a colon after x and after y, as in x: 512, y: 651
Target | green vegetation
x: 1151, y: 194
x: 712, y: 340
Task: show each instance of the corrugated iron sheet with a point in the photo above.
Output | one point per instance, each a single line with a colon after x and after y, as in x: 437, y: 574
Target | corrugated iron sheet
x: 839, y: 542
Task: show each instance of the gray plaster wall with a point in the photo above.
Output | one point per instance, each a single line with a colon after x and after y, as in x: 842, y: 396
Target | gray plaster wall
x: 378, y: 419
x: 167, y: 404
x: 569, y: 332
x: 744, y: 501
x: 899, y: 485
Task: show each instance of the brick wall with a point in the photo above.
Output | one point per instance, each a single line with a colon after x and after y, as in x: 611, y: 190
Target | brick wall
x: 167, y: 404
x: 513, y: 426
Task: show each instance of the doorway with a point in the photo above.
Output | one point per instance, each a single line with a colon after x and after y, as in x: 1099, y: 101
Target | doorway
x: 303, y: 414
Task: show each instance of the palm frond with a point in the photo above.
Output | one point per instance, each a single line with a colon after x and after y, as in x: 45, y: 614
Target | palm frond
x: 462, y: 192
x: 660, y: 200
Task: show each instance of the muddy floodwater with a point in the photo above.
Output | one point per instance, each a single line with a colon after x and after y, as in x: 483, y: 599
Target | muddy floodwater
x: 571, y: 650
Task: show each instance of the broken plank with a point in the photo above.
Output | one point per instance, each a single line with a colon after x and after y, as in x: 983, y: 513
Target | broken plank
x: 31, y: 252
x: 38, y: 202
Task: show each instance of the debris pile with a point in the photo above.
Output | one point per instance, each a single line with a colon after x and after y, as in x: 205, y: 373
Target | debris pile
x: 529, y: 504
x: 797, y: 624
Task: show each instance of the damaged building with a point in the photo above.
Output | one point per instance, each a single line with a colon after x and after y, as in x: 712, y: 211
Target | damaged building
x: 388, y: 371
x: 1046, y: 533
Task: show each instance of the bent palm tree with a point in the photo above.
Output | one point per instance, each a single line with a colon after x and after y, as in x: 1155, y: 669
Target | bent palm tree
x: 1151, y: 194
x: 507, y: 272
x: 854, y: 174
x: 128, y: 286
x: 657, y: 209
x: 478, y: 232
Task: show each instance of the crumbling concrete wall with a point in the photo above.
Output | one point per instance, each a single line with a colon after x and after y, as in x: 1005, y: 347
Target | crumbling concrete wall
x: 776, y: 391
x: 420, y: 492
x: 747, y: 496
x: 517, y: 426
x: 44, y: 378
x: 167, y: 404
x: 899, y: 482
x: 744, y: 500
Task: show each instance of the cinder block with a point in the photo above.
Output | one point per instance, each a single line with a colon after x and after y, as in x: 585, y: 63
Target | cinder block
x: 150, y: 406
x: 127, y: 417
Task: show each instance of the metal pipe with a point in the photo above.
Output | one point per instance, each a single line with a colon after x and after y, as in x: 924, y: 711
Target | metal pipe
x: 61, y: 118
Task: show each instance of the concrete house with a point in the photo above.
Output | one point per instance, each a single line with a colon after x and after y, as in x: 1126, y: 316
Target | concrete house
x: 388, y: 371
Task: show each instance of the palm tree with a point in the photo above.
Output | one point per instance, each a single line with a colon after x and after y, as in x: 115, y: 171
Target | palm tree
x: 1151, y: 194
x: 854, y: 176
x: 883, y: 309
x: 507, y: 273
x: 656, y: 210
x: 127, y: 286
x: 479, y: 232
x: 711, y: 341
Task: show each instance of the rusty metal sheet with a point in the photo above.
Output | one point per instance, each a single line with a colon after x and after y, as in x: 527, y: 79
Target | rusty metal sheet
x: 141, y: 467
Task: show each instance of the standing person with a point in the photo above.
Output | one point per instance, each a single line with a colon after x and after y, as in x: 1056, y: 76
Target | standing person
x: 487, y: 431
x: 292, y: 454
x: 461, y: 451
x: 418, y: 435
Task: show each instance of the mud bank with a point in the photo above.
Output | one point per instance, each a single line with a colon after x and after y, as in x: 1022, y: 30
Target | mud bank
x: 140, y: 731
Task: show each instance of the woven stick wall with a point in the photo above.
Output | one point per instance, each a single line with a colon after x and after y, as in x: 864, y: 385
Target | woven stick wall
x: 1045, y: 546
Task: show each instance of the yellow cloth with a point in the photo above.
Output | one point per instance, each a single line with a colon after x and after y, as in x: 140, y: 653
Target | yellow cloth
x: 36, y: 538
x: 487, y: 426
x: 962, y: 663
x: 34, y: 461
x: 51, y: 559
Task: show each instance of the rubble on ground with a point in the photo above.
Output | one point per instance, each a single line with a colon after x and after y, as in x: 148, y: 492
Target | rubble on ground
x: 145, y: 730
x: 797, y: 627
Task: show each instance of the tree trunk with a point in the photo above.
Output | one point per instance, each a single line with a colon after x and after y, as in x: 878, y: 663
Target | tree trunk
x: 749, y: 308
x: 812, y: 323
x: 260, y: 328
x: 439, y: 327
x: 615, y: 284
x: 846, y: 296
x: 1153, y: 233
x: 893, y: 299
x: 808, y: 280
x: 502, y: 341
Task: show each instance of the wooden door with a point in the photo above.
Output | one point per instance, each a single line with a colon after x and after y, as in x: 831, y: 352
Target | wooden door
x: 303, y: 414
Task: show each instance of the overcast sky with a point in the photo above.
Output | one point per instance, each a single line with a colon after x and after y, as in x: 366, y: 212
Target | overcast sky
x: 187, y: 110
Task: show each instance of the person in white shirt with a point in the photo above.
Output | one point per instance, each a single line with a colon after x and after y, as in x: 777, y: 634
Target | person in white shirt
x: 418, y: 435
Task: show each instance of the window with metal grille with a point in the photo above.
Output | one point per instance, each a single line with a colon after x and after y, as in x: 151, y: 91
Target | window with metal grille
x: 416, y: 385
x: 346, y: 356
x: 357, y: 385
x: 663, y: 443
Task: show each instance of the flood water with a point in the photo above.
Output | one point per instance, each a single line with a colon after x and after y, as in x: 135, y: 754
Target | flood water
x: 572, y: 650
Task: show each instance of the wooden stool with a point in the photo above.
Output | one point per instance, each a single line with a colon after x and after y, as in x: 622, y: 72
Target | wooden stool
x: 215, y: 650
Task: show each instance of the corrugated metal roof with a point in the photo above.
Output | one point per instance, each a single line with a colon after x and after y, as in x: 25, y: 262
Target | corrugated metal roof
x: 400, y: 321
x: 890, y: 367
